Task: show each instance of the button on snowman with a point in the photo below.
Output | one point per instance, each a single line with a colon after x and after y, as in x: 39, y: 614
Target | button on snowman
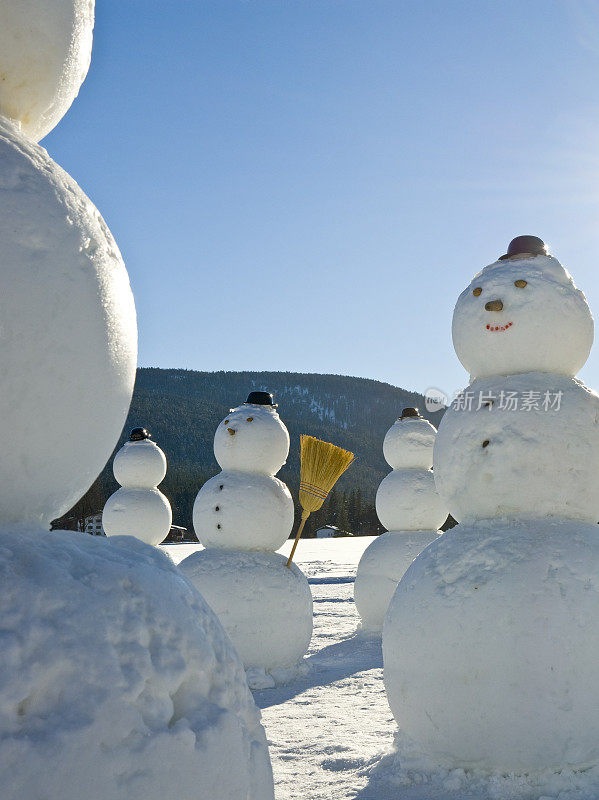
x: 102, y: 640
x: 138, y: 508
x: 408, y: 505
x: 490, y: 641
x: 241, y: 516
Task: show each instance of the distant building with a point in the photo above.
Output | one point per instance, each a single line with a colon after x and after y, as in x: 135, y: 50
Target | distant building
x: 93, y: 525
x: 329, y: 531
x: 177, y: 533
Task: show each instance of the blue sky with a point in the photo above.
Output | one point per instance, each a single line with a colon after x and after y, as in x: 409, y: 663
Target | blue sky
x: 308, y: 185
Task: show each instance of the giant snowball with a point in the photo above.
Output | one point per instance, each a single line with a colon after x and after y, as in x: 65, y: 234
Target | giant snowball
x: 45, y: 50
x: 490, y: 647
x: 68, y: 331
x: 525, y: 445
x: 252, y: 438
x: 265, y: 607
x: 243, y: 509
x: 117, y: 682
x: 407, y: 500
x: 381, y: 567
x: 522, y: 315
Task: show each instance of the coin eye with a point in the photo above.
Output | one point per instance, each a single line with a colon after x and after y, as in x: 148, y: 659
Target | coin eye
x: 520, y: 283
x: 476, y: 292
x: 250, y: 419
x: 226, y: 422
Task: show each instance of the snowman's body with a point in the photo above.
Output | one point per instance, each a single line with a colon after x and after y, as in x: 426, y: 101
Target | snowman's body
x: 490, y: 640
x: 241, y: 516
x: 138, y: 508
x: 103, y: 641
x: 409, y: 506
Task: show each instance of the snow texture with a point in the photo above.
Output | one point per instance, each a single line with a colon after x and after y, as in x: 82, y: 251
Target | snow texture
x: 536, y: 462
x: 244, y: 510
x: 265, y: 607
x: 45, y: 51
x: 252, y: 438
x: 409, y: 443
x: 117, y: 682
x: 380, y: 570
x: 68, y: 332
x: 408, y: 500
x: 544, y: 326
x: 490, y: 647
x: 331, y: 730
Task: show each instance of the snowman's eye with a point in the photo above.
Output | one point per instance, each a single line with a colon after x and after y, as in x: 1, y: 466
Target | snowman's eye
x: 226, y: 422
x: 476, y: 292
x: 250, y: 419
x: 520, y: 283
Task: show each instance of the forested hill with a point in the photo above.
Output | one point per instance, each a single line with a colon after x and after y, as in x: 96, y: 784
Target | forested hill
x: 182, y: 408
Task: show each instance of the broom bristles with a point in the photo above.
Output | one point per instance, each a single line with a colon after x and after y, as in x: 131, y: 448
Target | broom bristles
x: 322, y: 464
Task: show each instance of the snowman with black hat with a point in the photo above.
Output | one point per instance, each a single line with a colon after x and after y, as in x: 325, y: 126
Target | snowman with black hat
x: 242, y: 516
x: 138, y: 508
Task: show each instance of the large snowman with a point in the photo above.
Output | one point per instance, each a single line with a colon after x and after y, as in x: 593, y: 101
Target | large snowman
x: 116, y: 680
x: 241, y: 516
x: 490, y: 642
x: 408, y: 505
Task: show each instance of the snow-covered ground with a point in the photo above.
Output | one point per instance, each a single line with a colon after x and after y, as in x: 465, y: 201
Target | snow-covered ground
x: 326, y: 727
x: 331, y: 732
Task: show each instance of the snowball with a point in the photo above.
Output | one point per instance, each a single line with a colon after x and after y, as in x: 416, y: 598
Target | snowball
x: 407, y: 500
x: 243, y: 510
x: 252, y: 438
x: 117, y: 682
x: 409, y: 443
x: 490, y: 646
x: 265, y: 608
x: 143, y: 513
x: 535, y: 462
x: 545, y: 326
x: 45, y: 51
x: 68, y: 328
x: 141, y: 464
x: 380, y: 569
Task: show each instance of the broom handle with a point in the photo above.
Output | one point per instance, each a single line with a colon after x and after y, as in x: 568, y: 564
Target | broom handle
x: 305, y: 515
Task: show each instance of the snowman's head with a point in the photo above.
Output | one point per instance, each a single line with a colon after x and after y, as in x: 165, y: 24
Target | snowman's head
x: 522, y: 313
x: 252, y: 438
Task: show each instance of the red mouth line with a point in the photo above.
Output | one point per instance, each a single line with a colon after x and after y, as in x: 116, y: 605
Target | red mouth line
x: 499, y: 327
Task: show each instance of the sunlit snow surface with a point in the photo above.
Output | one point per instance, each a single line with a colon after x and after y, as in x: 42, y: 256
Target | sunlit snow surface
x: 331, y: 733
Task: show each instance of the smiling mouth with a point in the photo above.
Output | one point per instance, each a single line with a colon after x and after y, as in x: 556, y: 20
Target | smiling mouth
x: 496, y: 328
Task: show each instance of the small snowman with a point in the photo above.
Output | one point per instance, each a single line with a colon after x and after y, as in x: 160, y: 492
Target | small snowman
x: 241, y: 516
x: 490, y: 641
x: 138, y: 508
x: 408, y: 505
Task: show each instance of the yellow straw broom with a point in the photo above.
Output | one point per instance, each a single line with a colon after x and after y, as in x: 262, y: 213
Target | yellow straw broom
x: 322, y: 464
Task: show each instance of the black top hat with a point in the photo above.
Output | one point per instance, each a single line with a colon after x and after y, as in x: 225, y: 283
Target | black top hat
x: 409, y: 412
x: 261, y: 399
x: 139, y: 434
x: 525, y: 244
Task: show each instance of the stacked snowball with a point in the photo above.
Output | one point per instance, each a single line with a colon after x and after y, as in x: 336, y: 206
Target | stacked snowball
x: 116, y: 680
x: 490, y: 640
x: 242, y: 516
x: 408, y: 505
x: 138, y: 508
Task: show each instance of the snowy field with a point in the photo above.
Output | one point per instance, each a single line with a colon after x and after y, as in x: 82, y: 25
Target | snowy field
x: 327, y: 727
x: 331, y: 732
